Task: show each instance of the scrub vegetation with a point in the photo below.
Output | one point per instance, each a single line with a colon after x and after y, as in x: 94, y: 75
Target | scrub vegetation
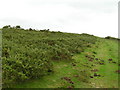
x: 48, y: 59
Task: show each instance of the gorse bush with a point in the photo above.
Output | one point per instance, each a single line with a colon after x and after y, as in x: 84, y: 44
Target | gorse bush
x: 109, y: 37
x: 27, y: 54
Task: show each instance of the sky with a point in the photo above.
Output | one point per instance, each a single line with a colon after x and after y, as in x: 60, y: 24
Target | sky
x: 96, y: 17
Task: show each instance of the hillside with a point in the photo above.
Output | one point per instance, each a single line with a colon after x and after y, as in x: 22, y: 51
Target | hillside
x: 48, y: 59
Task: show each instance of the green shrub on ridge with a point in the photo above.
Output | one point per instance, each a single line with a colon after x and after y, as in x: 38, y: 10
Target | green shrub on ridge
x: 27, y: 54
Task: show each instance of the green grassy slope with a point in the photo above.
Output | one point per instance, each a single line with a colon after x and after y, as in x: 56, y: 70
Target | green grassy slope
x: 28, y: 54
x: 45, y: 59
x: 108, y: 50
x: 80, y: 73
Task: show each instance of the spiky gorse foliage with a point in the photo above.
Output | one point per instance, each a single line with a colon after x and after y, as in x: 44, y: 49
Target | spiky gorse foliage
x: 28, y: 54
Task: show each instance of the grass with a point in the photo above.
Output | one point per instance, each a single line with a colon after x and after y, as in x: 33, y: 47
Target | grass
x: 80, y: 73
x: 108, y: 49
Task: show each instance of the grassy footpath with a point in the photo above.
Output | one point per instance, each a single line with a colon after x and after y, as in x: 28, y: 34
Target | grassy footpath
x: 108, y: 50
x: 94, y: 68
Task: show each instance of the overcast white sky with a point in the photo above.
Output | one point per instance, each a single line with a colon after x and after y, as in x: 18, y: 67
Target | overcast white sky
x: 97, y: 17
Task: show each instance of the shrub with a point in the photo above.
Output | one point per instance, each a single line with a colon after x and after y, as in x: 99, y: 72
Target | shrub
x: 28, y: 54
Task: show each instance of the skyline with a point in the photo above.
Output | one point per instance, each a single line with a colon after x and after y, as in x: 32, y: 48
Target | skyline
x: 99, y: 18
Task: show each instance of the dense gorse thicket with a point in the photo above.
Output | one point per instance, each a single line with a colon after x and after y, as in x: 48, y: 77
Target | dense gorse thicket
x: 27, y: 54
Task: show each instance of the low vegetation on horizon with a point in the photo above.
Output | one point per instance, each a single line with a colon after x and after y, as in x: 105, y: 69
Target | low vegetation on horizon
x: 48, y: 59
